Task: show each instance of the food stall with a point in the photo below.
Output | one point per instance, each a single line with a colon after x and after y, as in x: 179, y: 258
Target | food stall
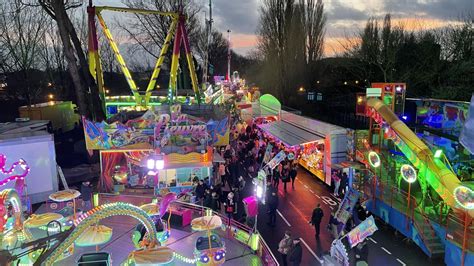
x: 318, y: 145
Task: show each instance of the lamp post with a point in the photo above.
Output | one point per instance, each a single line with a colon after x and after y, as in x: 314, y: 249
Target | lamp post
x: 154, y: 163
x: 409, y: 175
x: 375, y: 162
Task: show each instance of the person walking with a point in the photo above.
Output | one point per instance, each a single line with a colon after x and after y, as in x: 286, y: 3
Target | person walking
x: 272, y: 208
x: 344, y: 183
x: 285, y: 174
x: 296, y: 254
x: 276, y: 178
x: 293, y: 174
x: 207, y: 198
x: 230, y: 206
x: 86, y: 192
x: 215, y: 204
x: 200, y: 191
x: 332, y: 226
x: 337, y: 182
x: 316, y: 218
x: 285, y: 246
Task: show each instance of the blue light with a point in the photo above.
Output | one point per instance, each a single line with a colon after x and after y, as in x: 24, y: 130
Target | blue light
x: 405, y: 117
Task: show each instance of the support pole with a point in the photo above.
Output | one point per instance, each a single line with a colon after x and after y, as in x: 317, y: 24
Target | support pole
x: 159, y: 62
x: 464, y: 237
x: 209, y: 40
x: 228, y: 56
x: 190, y: 60
x: 121, y: 61
x: 174, y: 65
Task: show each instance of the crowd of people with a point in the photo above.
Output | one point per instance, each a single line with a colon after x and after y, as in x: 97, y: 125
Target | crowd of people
x: 232, y: 182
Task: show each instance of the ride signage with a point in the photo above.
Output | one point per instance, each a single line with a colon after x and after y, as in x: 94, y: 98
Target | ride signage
x: 347, y: 205
x: 362, y: 231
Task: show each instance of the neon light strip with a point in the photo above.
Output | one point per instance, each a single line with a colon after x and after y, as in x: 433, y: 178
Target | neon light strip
x: 119, y: 57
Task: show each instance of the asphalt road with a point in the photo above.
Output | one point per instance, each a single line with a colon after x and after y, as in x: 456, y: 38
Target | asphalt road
x: 386, y: 247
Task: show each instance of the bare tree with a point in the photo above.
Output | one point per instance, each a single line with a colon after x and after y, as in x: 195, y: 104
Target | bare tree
x: 22, y: 31
x: 150, y: 31
x: 291, y: 37
x: 85, y: 87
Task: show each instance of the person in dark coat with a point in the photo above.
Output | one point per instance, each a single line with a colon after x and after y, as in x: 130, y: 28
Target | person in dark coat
x: 296, y: 254
x: 316, y: 218
x: 293, y: 174
x: 200, y: 190
x: 215, y: 203
x: 207, y: 198
x: 272, y: 208
x: 86, y: 192
x: 344, y: 183
x: 285, y: 175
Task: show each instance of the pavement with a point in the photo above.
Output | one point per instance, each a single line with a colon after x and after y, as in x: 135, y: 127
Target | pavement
x: 386, y: 247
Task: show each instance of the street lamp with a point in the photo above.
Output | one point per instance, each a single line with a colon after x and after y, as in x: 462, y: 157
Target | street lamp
x: 374, y: 161
x: 51, y: 96
x: 409, y: 175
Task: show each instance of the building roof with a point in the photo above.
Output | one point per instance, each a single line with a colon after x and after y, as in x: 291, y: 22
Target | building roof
x: 289, y: 134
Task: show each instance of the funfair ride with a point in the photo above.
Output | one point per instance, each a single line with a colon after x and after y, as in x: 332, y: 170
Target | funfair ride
x: 177, y: 30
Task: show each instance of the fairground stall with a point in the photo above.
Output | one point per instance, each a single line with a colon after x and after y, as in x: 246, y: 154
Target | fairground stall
x: 318, y: 145
x: 164, y: 147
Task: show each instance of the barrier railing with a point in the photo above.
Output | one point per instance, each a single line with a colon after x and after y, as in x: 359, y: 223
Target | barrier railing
x: 238, y: 231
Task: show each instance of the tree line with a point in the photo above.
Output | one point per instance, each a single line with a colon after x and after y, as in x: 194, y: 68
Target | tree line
x: 436, y: 63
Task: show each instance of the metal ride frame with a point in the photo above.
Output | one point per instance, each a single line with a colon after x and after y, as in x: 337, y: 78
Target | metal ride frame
x: 177, y: 29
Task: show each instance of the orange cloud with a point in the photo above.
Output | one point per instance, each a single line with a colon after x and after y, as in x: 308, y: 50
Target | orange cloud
x: 243, y: 40
x: 418, y: 24
x: 337, y: 45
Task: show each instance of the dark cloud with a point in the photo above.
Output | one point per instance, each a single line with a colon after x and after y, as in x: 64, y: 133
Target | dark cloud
x: 240, y: 16
x: 339, y: 11
x: 440, y: 9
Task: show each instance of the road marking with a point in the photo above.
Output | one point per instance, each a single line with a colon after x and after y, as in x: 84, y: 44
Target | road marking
x: 298, y: 211
x: 306, y: 186
x: 331, y: 207
x: 317, y: 196
x: 401, y: 262
x: 284, y: 219
x: 310, y: 190
x: 329, y: 201
x: 310, y: 250
x: 388, y: 252
x: 371, y: 239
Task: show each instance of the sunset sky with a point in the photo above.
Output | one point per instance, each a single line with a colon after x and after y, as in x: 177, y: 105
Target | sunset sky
x: 344, y: 17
